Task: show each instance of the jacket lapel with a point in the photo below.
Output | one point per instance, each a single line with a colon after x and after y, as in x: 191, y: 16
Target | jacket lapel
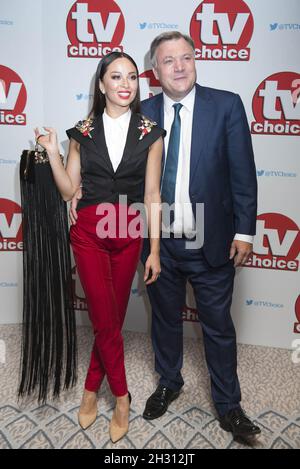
x: 98, y: 138
x: 202, y: 120
x: 158, y: 116
x: 132, y: 139
x: 157, y: 110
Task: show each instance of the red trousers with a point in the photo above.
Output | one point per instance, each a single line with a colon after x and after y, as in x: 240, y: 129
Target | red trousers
x: 106, y: 268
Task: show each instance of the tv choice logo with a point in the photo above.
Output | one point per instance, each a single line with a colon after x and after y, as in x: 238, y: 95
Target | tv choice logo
x: 276, y: 243
x: 297, y: 313
x: 6, y: 22
x: 8, y: 284
x: 275, y: 173
x: 8, y: 161
x: 222, y: 30
x: 13, y: 97
x: 284, y: 27
x: 80, y: 303
x: 263, y: 304
x: 149, y: 85
x: 94, y: 28
x: 146, y: 25
x: 189, y: 311
x: 276, y: 105
x: 10, y: 226
x: 190, y: 314
x: 84, y: 97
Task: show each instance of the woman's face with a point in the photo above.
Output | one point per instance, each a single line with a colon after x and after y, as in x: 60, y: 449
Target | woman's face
x: 119, y: 84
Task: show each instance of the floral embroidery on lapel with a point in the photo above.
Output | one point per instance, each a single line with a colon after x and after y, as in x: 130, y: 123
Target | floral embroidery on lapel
x: 146, y: 126
x: 85, y: 127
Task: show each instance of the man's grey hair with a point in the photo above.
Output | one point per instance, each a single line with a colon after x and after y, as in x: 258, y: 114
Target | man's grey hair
x: 168, y: 36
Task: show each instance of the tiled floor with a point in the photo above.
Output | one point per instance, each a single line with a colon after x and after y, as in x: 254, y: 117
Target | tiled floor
x: 271, y: 396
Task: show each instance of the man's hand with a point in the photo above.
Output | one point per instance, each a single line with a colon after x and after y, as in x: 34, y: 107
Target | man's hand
x: 73, y: 207
x: 240, y: 251
x: 152, y: 268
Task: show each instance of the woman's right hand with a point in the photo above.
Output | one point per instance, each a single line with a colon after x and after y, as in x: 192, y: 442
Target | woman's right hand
x: 73, y: 206
x: 47, y: 141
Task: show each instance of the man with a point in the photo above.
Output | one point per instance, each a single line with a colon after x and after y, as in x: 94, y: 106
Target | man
x: 214, y: 165
x: 208, y: 160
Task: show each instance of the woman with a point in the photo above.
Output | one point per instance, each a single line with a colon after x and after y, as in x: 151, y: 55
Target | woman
x: 116, y: 151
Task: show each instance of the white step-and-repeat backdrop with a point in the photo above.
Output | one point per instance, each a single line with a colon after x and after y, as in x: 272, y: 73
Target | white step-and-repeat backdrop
x: 49, y: 52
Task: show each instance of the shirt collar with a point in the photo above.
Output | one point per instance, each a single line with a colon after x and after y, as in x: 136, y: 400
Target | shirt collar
x: 188, y: 101
x: 121, y: 121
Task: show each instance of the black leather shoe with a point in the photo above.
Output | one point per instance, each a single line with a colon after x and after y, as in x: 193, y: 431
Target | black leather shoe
x: 158, y: 402
x: 237, y: 422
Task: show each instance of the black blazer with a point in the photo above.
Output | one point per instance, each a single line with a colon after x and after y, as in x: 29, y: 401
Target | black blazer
x: 100, y: 183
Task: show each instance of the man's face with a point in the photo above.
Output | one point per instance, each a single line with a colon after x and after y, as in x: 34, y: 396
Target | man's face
x: 175, y: 68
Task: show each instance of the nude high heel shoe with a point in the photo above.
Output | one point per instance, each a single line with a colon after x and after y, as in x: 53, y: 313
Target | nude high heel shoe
x: 115, y: 431
x: 88, y: 410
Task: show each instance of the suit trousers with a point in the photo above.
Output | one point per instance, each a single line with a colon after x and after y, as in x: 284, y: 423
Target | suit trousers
x: 212, y: 287
x: 106, y: 267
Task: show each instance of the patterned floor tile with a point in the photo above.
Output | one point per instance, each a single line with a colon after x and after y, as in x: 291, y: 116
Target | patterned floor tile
x: 38, y: 441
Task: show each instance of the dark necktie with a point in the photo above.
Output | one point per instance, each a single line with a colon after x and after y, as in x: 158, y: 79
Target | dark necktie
x: 170, y: 173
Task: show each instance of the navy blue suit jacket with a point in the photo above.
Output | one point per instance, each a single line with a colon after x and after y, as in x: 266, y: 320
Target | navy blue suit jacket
x: 222, y: 172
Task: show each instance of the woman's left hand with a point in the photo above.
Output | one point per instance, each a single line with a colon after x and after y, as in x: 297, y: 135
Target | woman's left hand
x: 47, y: 141
x: 152, y: 265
